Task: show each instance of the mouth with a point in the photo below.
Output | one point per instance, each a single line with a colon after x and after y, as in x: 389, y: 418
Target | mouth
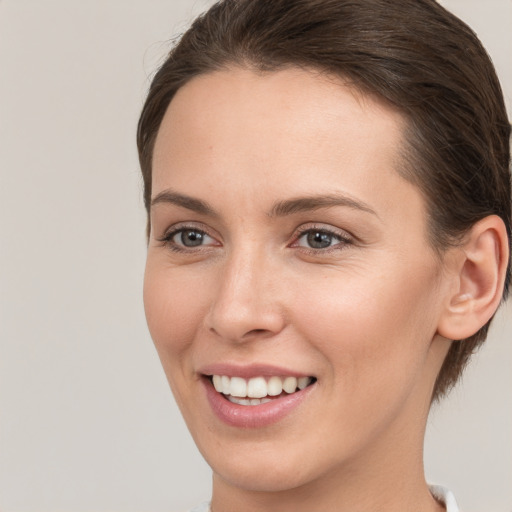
x: 258, y: 390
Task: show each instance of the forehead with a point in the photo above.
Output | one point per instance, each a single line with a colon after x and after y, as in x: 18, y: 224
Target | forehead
x: 278, y: 133
x: 303, y: 104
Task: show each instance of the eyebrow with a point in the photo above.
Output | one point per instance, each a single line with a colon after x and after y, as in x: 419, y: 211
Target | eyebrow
x: 190, y: 203
x: 280, y: 209
x: 311, y: 203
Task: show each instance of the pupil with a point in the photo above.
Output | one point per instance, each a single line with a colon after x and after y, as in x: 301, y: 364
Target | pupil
x: 319, y: 240
x: 191, y: 238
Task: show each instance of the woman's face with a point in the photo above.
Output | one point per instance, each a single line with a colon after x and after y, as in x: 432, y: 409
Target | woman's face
x: 284, y: 244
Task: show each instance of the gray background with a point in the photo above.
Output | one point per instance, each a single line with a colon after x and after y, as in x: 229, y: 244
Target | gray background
x: 87, y: 422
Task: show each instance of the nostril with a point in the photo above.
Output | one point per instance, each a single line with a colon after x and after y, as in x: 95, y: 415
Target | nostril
x: 255, y: 331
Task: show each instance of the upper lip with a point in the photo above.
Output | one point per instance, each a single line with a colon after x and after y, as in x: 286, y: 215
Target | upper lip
x: 249, y: 371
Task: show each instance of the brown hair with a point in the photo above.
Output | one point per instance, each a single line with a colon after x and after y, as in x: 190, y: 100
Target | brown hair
x: 413, y: 54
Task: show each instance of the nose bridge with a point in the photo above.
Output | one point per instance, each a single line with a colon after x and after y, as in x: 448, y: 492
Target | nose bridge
x: 246, y: 302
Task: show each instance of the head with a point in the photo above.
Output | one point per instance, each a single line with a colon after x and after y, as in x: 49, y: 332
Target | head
x: 328, y: 196
x: 411, y: 55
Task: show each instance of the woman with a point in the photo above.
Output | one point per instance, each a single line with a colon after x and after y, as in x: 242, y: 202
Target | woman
x: 328, y: 194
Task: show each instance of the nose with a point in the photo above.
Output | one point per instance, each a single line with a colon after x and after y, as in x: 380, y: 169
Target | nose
x: 246, y: 304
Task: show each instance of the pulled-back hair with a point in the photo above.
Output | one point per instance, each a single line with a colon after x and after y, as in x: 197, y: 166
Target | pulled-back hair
x: 412, y: 54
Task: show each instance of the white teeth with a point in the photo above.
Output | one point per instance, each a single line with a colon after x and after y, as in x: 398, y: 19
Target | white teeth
x: 240, y: 401
x: 290, y: 384
x: 217, y: 383
x: 248, y: 401
x: 237, y: 389
x: 303, y: 382
x: 226, y: 387
x: 257, y: 387
x: 274, y: 386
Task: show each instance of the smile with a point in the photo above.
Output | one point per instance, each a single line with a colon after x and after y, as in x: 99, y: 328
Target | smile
x: 255, y: 401
x: 258, y: 390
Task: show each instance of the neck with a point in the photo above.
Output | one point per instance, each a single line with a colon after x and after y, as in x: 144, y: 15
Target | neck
x: 353, y: 487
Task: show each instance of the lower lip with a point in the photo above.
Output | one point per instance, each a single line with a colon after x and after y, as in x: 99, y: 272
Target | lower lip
x: 253, y: 416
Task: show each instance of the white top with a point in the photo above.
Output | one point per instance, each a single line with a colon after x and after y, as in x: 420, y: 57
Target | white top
x: 446, y: 497
x: 440, y: 493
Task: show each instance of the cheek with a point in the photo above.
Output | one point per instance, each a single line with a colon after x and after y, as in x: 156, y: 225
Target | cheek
x: 172, y: 306
x: 374, y: 331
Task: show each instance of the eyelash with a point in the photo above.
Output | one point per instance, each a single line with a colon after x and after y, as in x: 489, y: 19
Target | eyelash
x: 167, y: 239
x: 343, y: 240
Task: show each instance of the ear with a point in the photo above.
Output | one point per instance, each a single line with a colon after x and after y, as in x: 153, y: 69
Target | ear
x: 478, y: 269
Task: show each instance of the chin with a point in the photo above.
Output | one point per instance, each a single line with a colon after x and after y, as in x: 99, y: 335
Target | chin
x: 265, y: 478
x: 262, y: 467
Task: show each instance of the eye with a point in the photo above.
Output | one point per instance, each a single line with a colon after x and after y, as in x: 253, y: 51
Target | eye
x: 191, y: 238
x: 185, y: 238
x: 318, y: 239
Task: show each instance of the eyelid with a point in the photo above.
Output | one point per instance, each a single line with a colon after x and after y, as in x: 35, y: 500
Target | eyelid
x: 173, y: 230
x: 345, y: 237
x: 326, y: 228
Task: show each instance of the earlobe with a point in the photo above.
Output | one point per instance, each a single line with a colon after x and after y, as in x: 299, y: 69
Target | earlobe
x: 479, y: 270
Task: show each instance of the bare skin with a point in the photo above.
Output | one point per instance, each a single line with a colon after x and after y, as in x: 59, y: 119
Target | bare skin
x: 255, y: 165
